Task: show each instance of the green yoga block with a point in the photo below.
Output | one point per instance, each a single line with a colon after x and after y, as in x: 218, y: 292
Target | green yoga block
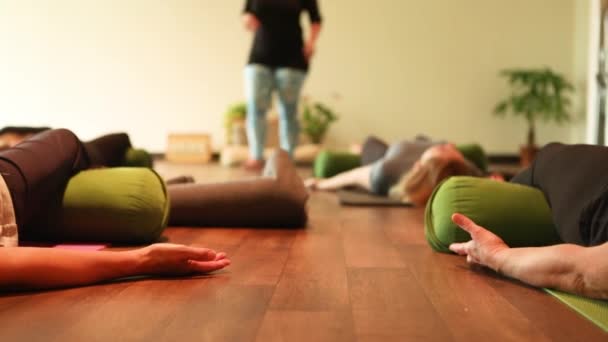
x: 328, y: 164
x: 137, y: 158
x: 114, y: 205
x: 518, y: 214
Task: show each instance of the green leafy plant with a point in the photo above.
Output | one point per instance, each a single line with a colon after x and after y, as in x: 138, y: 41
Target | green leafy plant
x: 536, y: 94
x: 316, y: 119
x: 236, y: 112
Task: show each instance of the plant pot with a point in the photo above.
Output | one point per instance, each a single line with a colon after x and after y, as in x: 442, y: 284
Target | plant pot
x: 527, y: 153
x: 238, y: 133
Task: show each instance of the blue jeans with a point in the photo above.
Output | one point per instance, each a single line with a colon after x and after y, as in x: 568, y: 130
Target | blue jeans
x: 260, y: 81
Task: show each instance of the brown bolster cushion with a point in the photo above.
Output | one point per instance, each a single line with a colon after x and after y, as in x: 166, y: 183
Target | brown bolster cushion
x: 276, y: 199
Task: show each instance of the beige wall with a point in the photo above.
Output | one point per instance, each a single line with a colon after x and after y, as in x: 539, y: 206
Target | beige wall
x: 400, y: 67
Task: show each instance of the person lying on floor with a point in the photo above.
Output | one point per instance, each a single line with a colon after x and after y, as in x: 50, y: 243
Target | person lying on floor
x: 574, y: 180
x: 34, y: 176
x: 408, y: 170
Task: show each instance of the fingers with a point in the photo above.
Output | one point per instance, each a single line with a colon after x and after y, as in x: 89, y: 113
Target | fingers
x: 198, y: 253
x: 459, y: 248
x: 220, y: 256
x: 466, y: 223
x: 207, y: 266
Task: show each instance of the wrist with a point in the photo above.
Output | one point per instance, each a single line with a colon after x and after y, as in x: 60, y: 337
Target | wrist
x: 498, y: 259
x: 133, y: 262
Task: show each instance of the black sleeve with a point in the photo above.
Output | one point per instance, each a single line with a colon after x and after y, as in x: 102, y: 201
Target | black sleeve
x: 248, y: 7
x: 312, y: 8
x: 524, y: 177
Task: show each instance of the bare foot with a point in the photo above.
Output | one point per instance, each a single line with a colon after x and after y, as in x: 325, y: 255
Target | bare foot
x: 254, y: 165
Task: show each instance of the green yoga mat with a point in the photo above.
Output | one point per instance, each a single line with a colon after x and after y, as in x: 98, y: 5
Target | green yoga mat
x: 593, y: 309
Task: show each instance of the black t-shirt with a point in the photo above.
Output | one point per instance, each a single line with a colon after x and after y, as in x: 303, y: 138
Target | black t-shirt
x: 574, y: 180
x: 278, y: 41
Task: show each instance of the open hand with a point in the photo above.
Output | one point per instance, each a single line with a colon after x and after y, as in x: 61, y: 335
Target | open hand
x: 484, y: 245
x: 168, y: 259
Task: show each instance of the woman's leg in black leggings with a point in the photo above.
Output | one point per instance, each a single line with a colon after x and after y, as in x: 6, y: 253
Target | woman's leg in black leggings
x: 37, y: 171
x: 108, y: 150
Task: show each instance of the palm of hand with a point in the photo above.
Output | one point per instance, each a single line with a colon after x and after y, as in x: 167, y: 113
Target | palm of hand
x: 177, y: 260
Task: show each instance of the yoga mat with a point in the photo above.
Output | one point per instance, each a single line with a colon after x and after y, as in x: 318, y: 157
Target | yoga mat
x: 595, y: 310
x: 364, y: 198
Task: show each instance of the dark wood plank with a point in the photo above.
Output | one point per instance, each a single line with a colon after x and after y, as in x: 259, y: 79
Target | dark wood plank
x: 261, y: 257
x: 389, y: 304
x: 194, y: 310
x: 314, y: 278
x: 366, y: 244
x: 537, y: 305
x: 306, y: 326
x: 471, y: 308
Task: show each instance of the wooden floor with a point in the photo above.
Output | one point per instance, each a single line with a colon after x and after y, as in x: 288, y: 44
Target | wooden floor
x: 354, y: 274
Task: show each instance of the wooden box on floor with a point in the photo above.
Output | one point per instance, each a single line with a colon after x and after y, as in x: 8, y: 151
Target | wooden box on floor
x: 188, y: 148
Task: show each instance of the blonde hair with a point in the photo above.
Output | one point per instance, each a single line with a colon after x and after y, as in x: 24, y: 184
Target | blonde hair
x: 418, y: 183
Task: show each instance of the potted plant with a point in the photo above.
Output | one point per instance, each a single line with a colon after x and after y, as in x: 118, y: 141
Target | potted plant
x: 536, y: 94
x: 234, y: 124
x: 316, y: 119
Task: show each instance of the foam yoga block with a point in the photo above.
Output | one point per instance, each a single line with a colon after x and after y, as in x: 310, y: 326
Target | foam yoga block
x: 277, y: 199
x: 115, y: 205
x: 328, y: 164
x: 518, y: 214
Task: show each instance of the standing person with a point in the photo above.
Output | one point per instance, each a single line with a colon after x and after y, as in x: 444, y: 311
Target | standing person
x: 279, y: 59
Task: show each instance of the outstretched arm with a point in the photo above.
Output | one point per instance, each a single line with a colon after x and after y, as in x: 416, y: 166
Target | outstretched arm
x: 566, y: 267
x: 23, y: 268
x: 359, y: 176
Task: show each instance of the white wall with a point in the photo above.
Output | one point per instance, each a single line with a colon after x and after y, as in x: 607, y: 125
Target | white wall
x: 400, y: 67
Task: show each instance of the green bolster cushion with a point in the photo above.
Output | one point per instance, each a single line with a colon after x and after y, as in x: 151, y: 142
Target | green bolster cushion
x: 328, y: 164
x: 475, y: 154
x: 518, y: 214
x: 135, y: 157
x: 116, y: 205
